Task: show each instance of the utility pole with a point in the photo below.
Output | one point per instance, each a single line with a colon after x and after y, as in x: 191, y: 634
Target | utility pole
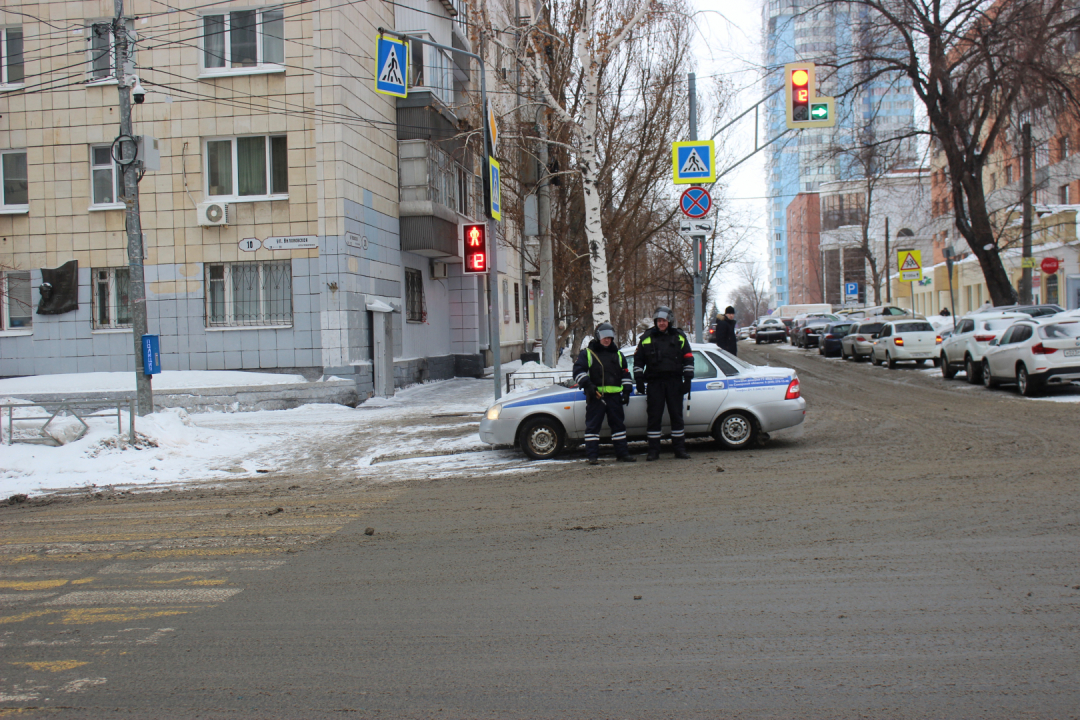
x: 1025, y: 263
x: 144, y: 391
x: 547, y: 272
x: 888, y: 282
x: 697, y: 242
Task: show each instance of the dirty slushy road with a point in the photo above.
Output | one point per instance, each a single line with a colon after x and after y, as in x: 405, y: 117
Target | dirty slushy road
x: 911, y: 555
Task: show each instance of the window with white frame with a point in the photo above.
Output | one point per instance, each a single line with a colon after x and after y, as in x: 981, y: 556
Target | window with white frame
x: 101, y: 41
x: 16, y: 188
x: 11, y: 56
x: 16, y: 305
x: 246, y: 294
x: 247, y: 167
x: 106, y: 177
x: 112, y: 298
x: 1063, y: 194
x: 244, y: 40
x: 414, y: 296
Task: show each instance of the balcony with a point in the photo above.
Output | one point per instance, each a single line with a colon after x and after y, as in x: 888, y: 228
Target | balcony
x: 437, y: 193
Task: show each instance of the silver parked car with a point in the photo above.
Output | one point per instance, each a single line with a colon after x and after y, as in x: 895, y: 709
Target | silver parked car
x: 731, y: 400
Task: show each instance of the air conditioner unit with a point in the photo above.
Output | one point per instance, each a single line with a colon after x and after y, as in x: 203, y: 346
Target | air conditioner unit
x: 438, y: 270
x: 213, y: 213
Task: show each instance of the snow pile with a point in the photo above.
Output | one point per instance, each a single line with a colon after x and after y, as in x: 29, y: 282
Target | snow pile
x: 125, y: 381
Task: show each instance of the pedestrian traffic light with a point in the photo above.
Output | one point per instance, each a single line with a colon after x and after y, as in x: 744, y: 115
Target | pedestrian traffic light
x: 805, y: 109
x: 476, y: 251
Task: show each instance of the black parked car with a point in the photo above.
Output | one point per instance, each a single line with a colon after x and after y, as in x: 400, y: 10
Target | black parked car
x: 830, y: 343
x: 807, y: 332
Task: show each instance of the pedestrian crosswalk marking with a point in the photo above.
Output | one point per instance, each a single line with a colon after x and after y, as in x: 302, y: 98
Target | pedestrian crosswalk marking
x: 391, y: 70
x: 693, y: 164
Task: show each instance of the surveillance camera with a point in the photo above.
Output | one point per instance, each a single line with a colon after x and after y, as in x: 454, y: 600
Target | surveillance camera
x: 138, y: 93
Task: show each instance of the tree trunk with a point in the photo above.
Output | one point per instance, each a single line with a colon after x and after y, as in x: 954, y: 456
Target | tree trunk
x: 594, y: 231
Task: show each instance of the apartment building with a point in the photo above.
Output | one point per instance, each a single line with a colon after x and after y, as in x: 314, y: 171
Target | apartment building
x: 292, y: 205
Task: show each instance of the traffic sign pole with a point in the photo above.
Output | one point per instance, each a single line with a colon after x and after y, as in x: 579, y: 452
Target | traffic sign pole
x: 699, y: 306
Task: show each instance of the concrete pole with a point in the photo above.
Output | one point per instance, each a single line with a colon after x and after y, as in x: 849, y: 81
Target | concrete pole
x: 1025, y: 272
x: 888, y: 263
x: 144, y: 391
x: 698, y: 242
x: 547, y: 272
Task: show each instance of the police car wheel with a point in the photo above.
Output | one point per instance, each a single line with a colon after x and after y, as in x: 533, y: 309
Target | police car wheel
x: 542, y: 438
x: 735, y: 430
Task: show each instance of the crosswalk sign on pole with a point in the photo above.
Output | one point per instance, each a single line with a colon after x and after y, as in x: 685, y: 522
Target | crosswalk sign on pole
x: 693, y: 162
x: 910, y: 264
x: 392, y: 66
x: 495, y: 211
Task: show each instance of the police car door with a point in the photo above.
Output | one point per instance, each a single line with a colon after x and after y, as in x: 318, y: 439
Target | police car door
x: 635, y: 415
x: 707, y: 394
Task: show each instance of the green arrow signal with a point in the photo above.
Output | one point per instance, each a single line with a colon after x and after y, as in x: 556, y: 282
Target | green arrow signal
x: 819, y: 112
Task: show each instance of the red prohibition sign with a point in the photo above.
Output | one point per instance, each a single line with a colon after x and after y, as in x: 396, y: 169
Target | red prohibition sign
x: 695, y: 202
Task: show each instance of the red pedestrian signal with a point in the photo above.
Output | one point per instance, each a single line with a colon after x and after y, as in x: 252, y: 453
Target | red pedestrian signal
x: 476, y: 254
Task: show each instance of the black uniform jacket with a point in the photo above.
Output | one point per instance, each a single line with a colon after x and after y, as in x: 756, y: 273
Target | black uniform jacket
x: 604, y: 367
x: 663, y: 354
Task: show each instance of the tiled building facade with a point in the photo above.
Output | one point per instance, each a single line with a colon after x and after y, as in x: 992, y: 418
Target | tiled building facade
x: 270, y: 114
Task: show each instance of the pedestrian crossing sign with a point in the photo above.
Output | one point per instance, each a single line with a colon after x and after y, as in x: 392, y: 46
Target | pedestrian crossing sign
x: 392, y: 66
x: 693, y: 162
x: 910, y: 264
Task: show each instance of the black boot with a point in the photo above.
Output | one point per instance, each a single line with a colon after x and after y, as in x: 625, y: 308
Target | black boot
x: 680, y: 449
x: 626, y: 458
x: 654, y: 450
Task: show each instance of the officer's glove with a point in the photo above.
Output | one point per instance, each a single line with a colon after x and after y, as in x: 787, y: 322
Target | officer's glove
x: 589, y: 388
x: 626, y: 390
x: 640, y: 387
x: 687, y: 383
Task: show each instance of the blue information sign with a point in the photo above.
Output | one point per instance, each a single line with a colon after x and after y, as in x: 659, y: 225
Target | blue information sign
x: 392, y: 67
x: 151, y: 352
x: 851, y: 289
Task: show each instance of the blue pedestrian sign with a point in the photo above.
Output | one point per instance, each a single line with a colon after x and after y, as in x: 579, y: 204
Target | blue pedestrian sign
x: 695, y: 202
x: 495, y: 211
x: 851, y: 289
x: 693, y: 162
x: 392, y: 66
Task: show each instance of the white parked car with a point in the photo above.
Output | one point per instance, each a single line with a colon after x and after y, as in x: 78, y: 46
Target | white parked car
x: 730, y: 399
x: 905, y: 340
x: 1033, y: 354
x: 965, y: 348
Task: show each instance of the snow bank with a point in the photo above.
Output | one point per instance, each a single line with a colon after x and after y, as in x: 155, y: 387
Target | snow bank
x: 125, y: 381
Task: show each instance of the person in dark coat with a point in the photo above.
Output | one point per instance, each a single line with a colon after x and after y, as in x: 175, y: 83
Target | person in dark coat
x: 725, y: 337
x: 664, y: 371
x: 602, y: 373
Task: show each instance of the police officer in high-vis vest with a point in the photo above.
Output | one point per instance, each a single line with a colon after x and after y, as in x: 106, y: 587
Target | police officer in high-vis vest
x: 601, y: 372
x: 665, y: 364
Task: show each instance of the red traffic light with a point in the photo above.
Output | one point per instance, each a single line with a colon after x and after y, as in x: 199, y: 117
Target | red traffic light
x: 476, y: 255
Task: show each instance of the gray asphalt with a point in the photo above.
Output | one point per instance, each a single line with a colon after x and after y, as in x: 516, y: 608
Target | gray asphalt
x: 911, y: 555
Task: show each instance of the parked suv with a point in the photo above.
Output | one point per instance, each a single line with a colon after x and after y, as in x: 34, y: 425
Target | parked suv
x: 965, y: 348
x: 1034, y: 353
x: 901, y: 340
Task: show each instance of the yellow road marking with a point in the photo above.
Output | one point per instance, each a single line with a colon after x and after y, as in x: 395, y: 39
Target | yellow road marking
x: 54, y: 666
x: 23, y: 617
x: 89, y: 616
x: 31, y: 584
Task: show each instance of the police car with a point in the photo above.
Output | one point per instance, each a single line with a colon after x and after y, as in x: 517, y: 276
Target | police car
x: 731, y: 400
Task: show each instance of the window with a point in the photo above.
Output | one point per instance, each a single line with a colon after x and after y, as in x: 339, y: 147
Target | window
x: 249, y: 294
x: 779, y: 251
x: 107, y: 178
x: 1063, y: 194
x: 16, y: 306
x: 16, y: 195
x: 251, y: 167
x: 1063, y: 148
x: 1051, y: 289
x: 1008, y: 175
x: 11, y: 56
x: 506, y: 301
x: 112, y: 297
x: 517, y: 304
x: 725, y: 367
x: 244, y: 40
x: 414, y: 296
x: 702, y: 367
x: 102, y: 50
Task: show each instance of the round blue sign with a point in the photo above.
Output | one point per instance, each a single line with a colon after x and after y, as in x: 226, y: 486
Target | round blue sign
x: 695, y: 202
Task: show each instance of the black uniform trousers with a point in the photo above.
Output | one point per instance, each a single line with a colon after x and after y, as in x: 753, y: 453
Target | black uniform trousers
x: 596, y: 410
x: 661, y: 392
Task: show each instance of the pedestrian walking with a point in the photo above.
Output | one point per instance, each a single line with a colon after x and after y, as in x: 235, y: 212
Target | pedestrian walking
x: 663, y: 371
x: 602, y: 373
x: 725, y: 337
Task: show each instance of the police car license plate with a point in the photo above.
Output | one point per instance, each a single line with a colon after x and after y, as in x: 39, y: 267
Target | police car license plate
x: 1072, y: 353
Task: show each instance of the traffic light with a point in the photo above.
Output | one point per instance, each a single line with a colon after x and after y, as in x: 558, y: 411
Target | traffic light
x: 805, y: 108
x: 476, y: 252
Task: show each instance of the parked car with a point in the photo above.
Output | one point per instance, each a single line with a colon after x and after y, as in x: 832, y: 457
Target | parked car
x: 829, y: 343
x: 742, y: 333
x: 1033, y: 354
x: 796, y: 329
x: 889, y: 311
x: 732, y: 400
x: 859, y: 341
x: 808, y: 333
x: 770, y: 330
x: 1044, y: 310
x: 905, y: 340
x: 965, y: 348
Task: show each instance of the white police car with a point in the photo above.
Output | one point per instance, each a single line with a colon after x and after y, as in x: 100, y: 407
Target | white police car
x: 731, y: 400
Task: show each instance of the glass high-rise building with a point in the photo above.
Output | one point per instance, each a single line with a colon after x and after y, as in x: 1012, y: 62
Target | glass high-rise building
x: 831, y: 36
